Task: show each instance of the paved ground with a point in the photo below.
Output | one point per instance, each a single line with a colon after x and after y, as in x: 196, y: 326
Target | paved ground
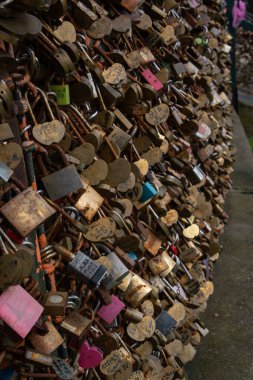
x: 246, y: 97
x: 227, y: 352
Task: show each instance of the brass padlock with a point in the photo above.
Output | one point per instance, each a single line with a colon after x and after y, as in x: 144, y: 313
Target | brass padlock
x: 55, y: 303
x: 76, y: 325
x: 161, y: 264
x: 26, y: 211
x: 89, y: 202
x: 83, y: 15
x: 137, y: 290
x: 47, y: 343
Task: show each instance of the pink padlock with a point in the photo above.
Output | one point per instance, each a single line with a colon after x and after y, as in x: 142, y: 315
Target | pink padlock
x: 109, y: 312
x: 152, y: 79
x: 90, y: 356
x: 204, y: 131
x: 19, y: 310
x: 193, y: 3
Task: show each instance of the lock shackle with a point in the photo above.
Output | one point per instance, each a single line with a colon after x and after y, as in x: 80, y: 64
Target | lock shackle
x: 103, y: 247
x: 87, y: 107
x: 53, y: 94
x: 74, y: 210
x: 155, y: 65
x: 42, y: 165
x: 138, y: 42
x: 122, y: 342
x: 61, y: 153
x: 84, y: 49
x: 175, y: 237
x: 28, y: 244
x: 143, y: 264
x: 176, y: 46
x: 93, y: 115
x: 86, y: 309
x: 40, y: 158
x: 45, y: 99
x: 82, y: 38
x: 80, y: 116
x: 123, y: 222
x: 97, y: 306
x: 135, y: 150
x: 8, y: 240
x: 23, y: 131
x: 6, y: 2
x: 174, y: 13
x: 30, y: 109
x: 133, y: 131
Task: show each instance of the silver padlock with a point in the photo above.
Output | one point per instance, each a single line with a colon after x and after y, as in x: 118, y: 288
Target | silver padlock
x: 5, y: 173
x: 117, y: 273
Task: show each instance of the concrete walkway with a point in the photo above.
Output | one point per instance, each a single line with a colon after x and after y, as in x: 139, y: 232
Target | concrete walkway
x: 246, y: 97
x: 227, y: 352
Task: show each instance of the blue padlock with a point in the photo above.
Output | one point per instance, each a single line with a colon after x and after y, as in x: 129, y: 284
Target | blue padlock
x: 8, y: 374
x: 148, y: 192
x: 132, y: 256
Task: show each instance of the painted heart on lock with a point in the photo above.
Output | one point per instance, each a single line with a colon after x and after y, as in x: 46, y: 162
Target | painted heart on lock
x: 90, y: 357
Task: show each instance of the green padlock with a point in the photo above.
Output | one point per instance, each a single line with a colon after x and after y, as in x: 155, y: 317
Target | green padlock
x: 62, y: 93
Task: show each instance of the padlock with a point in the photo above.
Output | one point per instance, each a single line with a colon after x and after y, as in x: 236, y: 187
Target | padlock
x: 90, y: 356
x: 62, y: 182
x: 48, y: 132
x: 165, y: 323
x: 133, y: 315
x: 148, y: 192
x: 109, y: 312
x: 116, y: 269
x: 48, y: 342
x: 37, y: 358
x: 5, y: 132
x: 161, y: 264
x: 120, y: 138
x: 29, y: 214
x: 81, y: 91
x: 85, y: 269
x: 55, y: 303
x: 6, y: 96
x: 5, y: 173
x: 57, y: 9
x: 83, y: 15
x: 62, y: 369
x: 89, y: 202
x: 62, y: 93
x: 195, y: 174
x: 76, y: 325
x: 14, y: 268
x: 152, y: 80
x: 137, y: 291
x: 20, y: 316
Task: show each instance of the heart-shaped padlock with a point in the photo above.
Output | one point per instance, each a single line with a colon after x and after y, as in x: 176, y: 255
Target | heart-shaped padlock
x: 90, y: 356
